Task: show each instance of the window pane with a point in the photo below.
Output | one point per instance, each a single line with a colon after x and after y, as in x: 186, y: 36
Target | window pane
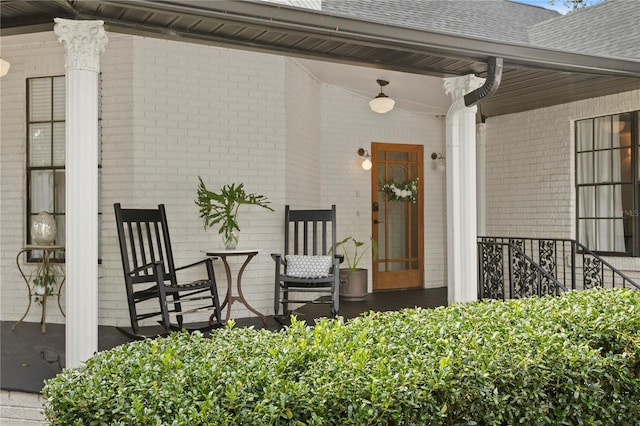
x: 41, y: 191
x: 60, y: 227
x: 59, y: 191
x: 584, y: 135
x: 587, y: 205
x: 586, y: 232
x: 58, y: 144
x: 398, y: 266
x: 628, y: 234
x: 625, y: 164
x: 628, y: 210
x: 585, y: 168
x: 40, y: 99
x: 602, y: 133
x: 609, y: 235
x: 622, y: 123
x: 40, y: 145
x: 398, y: 156
x: 608, y: 201
x: 398, y: 173
x: 603, y: 166
x: 59, y: 100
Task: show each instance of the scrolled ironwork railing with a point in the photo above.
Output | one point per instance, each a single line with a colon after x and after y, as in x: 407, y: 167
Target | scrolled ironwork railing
x: 511, y: 268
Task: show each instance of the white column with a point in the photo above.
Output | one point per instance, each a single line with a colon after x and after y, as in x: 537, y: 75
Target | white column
x: 461, y: 191
x: 481, y: 185
x: 83, y: 42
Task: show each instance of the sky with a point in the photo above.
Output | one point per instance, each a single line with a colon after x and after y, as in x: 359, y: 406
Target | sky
x: 558, y: 4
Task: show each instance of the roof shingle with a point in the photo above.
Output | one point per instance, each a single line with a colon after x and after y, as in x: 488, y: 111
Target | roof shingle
x: 610, y: 28
x: 497, y: 20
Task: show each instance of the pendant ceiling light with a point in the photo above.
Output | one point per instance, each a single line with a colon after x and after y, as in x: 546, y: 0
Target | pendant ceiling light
x: 381, y: 103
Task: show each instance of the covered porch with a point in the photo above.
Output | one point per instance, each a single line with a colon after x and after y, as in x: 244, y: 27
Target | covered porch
x: 176, y: 104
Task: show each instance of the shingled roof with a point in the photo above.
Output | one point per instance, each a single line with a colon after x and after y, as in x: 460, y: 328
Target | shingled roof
x: 498, y: 20
x: 607, y: 29
x: 610, y: 28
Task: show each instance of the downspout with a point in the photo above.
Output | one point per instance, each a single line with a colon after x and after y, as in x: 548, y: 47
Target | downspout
x: 491, y: 84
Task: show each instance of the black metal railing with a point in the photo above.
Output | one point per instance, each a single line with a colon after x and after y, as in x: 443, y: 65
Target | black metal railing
x: 512, y: 268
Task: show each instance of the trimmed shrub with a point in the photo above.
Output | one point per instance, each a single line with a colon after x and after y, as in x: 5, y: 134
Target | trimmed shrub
x: 570, y: 360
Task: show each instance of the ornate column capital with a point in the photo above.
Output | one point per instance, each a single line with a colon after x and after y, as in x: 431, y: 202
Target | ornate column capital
x: 84, y: 41
x: 457, y: 87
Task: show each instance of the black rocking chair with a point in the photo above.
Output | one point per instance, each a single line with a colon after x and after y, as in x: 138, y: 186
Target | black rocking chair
x: 150, y: 274
x: 309, y: 264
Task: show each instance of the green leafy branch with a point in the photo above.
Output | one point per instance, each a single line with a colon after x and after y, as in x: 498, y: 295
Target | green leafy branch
x: 222, y: 207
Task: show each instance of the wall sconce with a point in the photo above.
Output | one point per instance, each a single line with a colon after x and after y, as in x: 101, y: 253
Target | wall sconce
x: 4, y: 67
x: 366, y: 163
x: 381, y: 103
x: 440, y: 158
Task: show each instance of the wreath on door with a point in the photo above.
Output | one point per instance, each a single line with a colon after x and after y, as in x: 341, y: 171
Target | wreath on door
x: 406, y: 191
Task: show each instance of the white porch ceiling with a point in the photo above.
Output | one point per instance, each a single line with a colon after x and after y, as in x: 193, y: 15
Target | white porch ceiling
x: 412, y: 92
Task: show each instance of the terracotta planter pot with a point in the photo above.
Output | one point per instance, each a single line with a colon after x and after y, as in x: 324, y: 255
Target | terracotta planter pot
x: 353, y: 284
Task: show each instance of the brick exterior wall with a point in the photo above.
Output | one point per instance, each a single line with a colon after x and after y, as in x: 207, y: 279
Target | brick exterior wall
x: 173, y: 111
x: 21, y: 409
x: 530, y: 177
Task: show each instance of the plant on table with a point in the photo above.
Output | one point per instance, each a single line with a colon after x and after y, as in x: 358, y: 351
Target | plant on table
x: 221, y: 208
x: 44, y: 284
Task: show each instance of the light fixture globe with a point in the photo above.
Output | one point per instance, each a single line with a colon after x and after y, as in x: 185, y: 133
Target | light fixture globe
x: 381, y: 103
x: 366, y: 163
x: 4, y: 67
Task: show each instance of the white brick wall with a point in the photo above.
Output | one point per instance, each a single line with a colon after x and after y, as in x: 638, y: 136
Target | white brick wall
x: 172, y: 111
x: 21, y: 409
x: 530, y: 170
x: 304, y: 175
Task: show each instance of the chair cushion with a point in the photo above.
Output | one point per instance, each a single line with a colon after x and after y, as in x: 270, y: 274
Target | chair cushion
x: 308, y: 266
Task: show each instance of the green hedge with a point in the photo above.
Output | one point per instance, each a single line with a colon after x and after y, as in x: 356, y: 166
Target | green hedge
x: 569, y: 360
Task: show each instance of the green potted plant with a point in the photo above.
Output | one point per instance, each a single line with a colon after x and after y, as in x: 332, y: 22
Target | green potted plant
x: 44, y: 284
x: 353, y: 280
x: 221, y: 208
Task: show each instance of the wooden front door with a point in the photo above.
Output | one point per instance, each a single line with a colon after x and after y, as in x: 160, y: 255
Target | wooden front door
x: 397, y: 204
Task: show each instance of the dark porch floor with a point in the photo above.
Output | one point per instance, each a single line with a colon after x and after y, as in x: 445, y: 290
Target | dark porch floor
x: 30, y: 357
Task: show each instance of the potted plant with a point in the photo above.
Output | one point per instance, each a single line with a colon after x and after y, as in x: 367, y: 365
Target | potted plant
x: 44, y: 284
x: 353, y: 280
x: 222, y: 208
